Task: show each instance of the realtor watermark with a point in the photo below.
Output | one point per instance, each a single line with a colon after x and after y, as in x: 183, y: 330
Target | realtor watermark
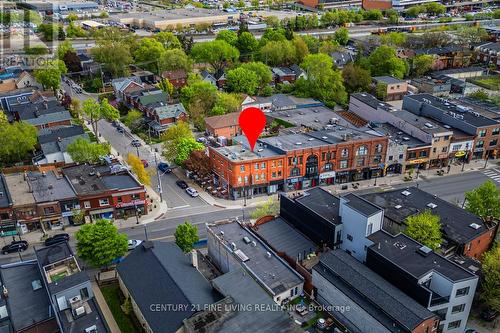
x: 255, y: 307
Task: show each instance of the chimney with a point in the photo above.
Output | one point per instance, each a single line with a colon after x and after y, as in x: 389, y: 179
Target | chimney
x: 46, y: 105
x: 194, y: 258
x: 5, y: 292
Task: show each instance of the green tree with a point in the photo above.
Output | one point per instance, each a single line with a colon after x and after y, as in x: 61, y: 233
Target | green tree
x: 72, y: 62
x: 394, y: 38
x: 217, y: 53
x: 133, y: 118
x: 484, y: 200
x: 113, y: 50
x: 172, y: 136
x: 342, y: 36
x: 226, y: 103
x: 64, y: 48
x: 434, y: 8
x: 425, y: 228
x: 198, y: 97
x: 96, y: 111
x: 381, y: 90
x: 313, y: 43
x: 83, y: 151
x: 50, y: 75
x: 185, y: 236
x: 185, y: 146
x: 270, y: 207
x: 490, y: 284
x: 301, y: 49
x: 175, y: 59
x: 421, y: 64
x: 496, y: 14
x: 414, y: 11
x: 148, y: 54
x: 242, y: 80
x: 264, y: 74
x: 247, y: 44
x: 166, y: 86
x: 72, y: 17
x: 356, y: 79
x: 17, y: 140
x: 228, y: 36
x: 323, y: 82
x: 373, y: 15
x: 100, y: 243
x: 329, y: 46
x: 168, y: 40
x: 73, y: 31
x: 384, y: 61
x: 276, y: 53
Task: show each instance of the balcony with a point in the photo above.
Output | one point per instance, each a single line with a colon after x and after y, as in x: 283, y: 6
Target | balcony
x: 61, y: 269
x: 437, y: 299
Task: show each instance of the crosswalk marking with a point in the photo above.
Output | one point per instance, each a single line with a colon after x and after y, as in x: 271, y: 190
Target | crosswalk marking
x: 494, y: 174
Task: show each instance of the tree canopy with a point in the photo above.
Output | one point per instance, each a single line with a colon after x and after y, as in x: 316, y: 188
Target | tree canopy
x: 490, y: 284
x: 17, y: 140
x: 425, y: 228
x: 384, y: 61
x: 356, y: 78
x: 217, y: 53
x: 168, y: 40
x: 484, y: 200
x: 49, y: 76
x: 242, y: 80
x: 186, y: 235
x: 83, y: 151
x: 148, y: 54
x: 96, y: 111
x: 138, y: 168
x: 228, y: 36
x: 100, y: 243
x: 175, y: 59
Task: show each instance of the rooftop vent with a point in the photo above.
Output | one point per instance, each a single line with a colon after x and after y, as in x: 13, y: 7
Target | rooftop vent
x: 398, y: 206
x: 406, y: 193
x: 405, y: 138
x: 474, y: 226
x: 254, y: 244
x: 431, y: 205
x: 429, y: 125
x: 400, y: 245
x: 233, y: 246
x: 298, y: 143
x: 310, y: 139
x: 246, y: 240
x: 324, y: 137
x: 268, y: 255
x: 424, y: 251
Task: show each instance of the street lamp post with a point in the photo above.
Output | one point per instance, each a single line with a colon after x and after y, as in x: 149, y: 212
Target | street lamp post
x: 137, y: 148
x: 486, y: 161
x: 159, y: 179
x: 136, y: 213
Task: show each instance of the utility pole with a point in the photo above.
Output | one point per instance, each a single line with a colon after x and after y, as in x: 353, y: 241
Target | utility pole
x: 159, y: 179
x: 486, y: 160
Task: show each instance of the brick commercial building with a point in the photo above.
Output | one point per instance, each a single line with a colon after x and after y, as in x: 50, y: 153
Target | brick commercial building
x: 485, y: 131
x: 299, y: 161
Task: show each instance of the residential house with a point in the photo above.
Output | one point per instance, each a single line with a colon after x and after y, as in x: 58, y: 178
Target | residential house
x: 69, y: 291
x: 220, y: 78
x: 144, y: 98
x: 221, y: 318
x: 144, y: 76
x: 22, y: 81
x: 23, y: 203
x: 342, y: 58
x: 208, y: 77
x: 283, y: 75
x: 390, y: 88
x: 158, y: 274
x: 299, y: 72
x: 55, y: 198
x: 432, y: 86
x: 107, y: 191
x: 125, y: 86
x: 55, y: 141
x: 223, y: 126
x: 452, y: 56
x: 488, y: 54
x: 40, y: 112
x: 164, y: 115
x: 485, y: 132
x: 232, y: 246
x: 435, y: 282
x: 7, y: 218
x: 178, y: 78
x: 463, y: 233
x: 375, y: 305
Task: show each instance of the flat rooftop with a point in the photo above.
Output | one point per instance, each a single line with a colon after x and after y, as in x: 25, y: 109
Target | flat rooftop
x: 173, y: 14
x: 388, y: 79
x: 467, y: 116
x: 373, y: 102
x: 425, y: 124
x: 283, y: 237
x: 241, y: 151
x: 375, y: 295
x: 28, y: 302
x: 19, y: 189
x: 397, y: 136
x: 401, y: 250
x: 457, y: 224
x: 274, y: 273
x: 311, y: 117
x: 92, y: 317
x: 485, y: 108
x: 50, y: 186
x: 361, y: 205
x: 5, y: 198
x: 322, y: 203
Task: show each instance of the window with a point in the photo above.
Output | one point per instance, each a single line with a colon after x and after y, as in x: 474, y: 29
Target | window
x: 273, y: 175
x: 49, y: 210
x: 444, y: 150
x: 454, y: 324
x: 378, y: 148
x: 263, y: 165
x: 377, y: 159
x: 103, y: 202
x: 462, y: 291
x: 369, y: 229
x: 447, y: 137
x: 458, y: 308
x: 349, y: 237
x: 412, y: 154
x: 482, y: 133
x: 343, y: 164
x: 135, y: 196
x: 363, y: 150
x: 360, y: 161
x: 239, y: 180
x: 263, y: 176
x: 344, y: 152
x: 273, y: 164
x: 496, y: 131
x: 84, y: 293
x: 300, y: 160
x: 455, y: 147
x: 390, y: 158
x: 434, y: 149
x: 279, y: 173
x: 86, y: 204
x: 493, y: 142
x: 246, y: 179
x: 280, y: 163
x: 441, y: 313
x: 328, y: 166
x: 119, y: 199
x: 323, y: 156
x: 290, y: 160
x: 256, y: 166
x: 256, y: 177
x: 423, y: 154
x: 295, y: 172
x: 480, y: 144
x: 400, y: 156
x: 242, y: 168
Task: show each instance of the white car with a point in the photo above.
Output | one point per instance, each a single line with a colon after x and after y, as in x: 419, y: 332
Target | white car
x: 192, y: 192
x: 133, y: 243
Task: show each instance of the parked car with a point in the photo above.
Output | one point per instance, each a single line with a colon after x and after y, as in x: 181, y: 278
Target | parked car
x: 182, y: 184
x: 120, y: 129
x: 58, y: 238
x: 133, y: 243
x: 192, y: 192
x: 15, y: 246
x: 136, y: 143
x: 164, y: 167
x: 145, y: 163
x: 489, y: 314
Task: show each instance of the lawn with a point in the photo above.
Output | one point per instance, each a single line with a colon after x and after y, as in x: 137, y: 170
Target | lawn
x: 490, y: 82
x: 112, y: 295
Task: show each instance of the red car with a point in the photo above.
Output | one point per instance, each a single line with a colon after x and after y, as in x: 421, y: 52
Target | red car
x: 145, y: 163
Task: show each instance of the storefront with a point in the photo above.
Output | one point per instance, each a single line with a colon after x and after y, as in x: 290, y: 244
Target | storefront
x: 106, y: 213
x: 327, y: 178
x: 394, y: 168
x: 127, y: 209
x: 342, y: 177
x: 53, y: 223
x: 293, y: 184
x: 275, y: 186
x: 478, y: 153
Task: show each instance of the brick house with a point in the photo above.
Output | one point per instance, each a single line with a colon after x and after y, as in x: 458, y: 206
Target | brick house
x: 489, y: 54
x: 163, y: 115
x: 225, y: 125
x: 178, y: 77
x: 395, y: 88
x: 283, y: 74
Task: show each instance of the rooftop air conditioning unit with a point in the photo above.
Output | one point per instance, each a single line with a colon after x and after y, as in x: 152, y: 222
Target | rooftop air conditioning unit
x: 79, y: 311
x: 406, y: 193
x: 75, y: 299
x: 474, y: 226
x: 91, y: 329
x: 431, y: 205
x: 268, y: 254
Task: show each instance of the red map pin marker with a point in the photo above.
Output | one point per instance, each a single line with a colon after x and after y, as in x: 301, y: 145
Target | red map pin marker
x: 252, y: 121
